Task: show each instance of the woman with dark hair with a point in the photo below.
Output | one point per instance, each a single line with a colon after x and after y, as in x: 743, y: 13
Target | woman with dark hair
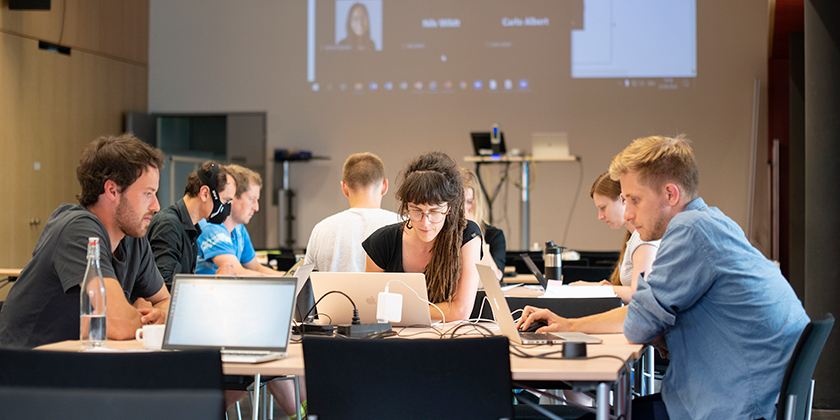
x: 637, y: 255
x: 358, y: 29
x: 435, y: 239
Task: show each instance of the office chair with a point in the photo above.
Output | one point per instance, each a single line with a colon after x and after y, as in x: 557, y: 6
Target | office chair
x: 594, y: 274
x: 797, y: 392
x: 88, y: 386
x: 408, y: 379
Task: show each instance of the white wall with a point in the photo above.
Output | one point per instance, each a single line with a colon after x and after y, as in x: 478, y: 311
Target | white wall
x: 214, y: 56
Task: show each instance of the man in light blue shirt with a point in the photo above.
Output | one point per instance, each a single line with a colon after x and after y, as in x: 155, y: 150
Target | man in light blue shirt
x: 723, y: 313
x: 229, y: 242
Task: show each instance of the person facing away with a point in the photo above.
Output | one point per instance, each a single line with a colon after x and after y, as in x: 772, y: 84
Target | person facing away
x: 118, y: 177
x: 477, y: 210
x: 174, y: 230
x: 435, y: 239
x: 720, y: 310
x: 636, y: 255
x: 229, y: 243
x: 336, y: 242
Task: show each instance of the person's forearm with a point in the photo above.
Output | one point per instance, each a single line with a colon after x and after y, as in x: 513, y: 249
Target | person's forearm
x: 610, y: 322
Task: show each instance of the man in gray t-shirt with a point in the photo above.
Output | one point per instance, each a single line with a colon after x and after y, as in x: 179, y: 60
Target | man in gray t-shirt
x: 119, y: 177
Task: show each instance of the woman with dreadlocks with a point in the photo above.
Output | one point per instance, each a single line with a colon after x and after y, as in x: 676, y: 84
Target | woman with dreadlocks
x: 435, y: 239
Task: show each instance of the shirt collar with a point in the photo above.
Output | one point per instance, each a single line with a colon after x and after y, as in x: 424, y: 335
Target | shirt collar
x: 696, y: 204
x: 184, y: 216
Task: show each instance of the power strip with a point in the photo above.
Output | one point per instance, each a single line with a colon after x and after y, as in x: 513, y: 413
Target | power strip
x: 361, y: 330
x: 310, y: 328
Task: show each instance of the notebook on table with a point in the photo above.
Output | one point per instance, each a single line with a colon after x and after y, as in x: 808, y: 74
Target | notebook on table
x: 247, y: 318
x: 363, y: 289
x: 501, y: 312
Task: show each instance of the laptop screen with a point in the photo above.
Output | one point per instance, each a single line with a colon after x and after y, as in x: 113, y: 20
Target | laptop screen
x: 251, y: 313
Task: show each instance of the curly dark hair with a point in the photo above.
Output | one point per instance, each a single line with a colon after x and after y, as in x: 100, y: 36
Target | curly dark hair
x: 434, y: 178
x: 122, y: 159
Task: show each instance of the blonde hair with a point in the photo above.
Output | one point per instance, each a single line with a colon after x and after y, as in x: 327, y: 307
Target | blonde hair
x: 244, y: 178
x: 480, y: 207
x: 658, y: 161
x: 611, y: 189
x: 362, y: 170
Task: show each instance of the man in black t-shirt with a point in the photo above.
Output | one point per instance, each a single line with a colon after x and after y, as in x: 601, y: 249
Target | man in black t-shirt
x: 119, y: 177
x: 173, y: 231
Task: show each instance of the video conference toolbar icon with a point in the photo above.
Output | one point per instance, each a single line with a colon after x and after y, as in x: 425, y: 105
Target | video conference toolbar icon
x: 388, y: 86
x: 523, y: 84
x: 477, y: 85
x: 492, y: 84
x: 373, y: 86
x: 432, y: 85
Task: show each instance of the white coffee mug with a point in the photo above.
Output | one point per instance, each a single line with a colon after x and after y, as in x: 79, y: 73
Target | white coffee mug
x: 151, y: 336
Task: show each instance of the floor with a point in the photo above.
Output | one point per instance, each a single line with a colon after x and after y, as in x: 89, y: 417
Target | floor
x: 825, y: 415
x: 247, y: 414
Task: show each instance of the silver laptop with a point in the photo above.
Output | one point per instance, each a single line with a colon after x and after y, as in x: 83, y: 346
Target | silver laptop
x: 363, y: 289
x: 501, y: 312
x: 248, y: 318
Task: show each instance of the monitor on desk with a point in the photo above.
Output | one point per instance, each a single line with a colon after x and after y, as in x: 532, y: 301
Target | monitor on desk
x: 483, y: 144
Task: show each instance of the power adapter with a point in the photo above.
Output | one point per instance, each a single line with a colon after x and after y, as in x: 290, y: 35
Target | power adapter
x: 389, y: 307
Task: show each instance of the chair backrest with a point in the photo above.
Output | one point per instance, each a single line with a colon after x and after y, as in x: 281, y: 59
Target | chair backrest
x: 800, y: 369
x: 101, y: 383
x: 408, y: 378
x: 573, y: 274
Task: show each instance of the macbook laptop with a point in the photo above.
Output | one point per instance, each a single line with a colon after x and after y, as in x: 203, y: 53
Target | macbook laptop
x: 248, y: 318
x: 501, y: 312
x: 550, y: 146
x: 534, y: 270
x: 363, y: 289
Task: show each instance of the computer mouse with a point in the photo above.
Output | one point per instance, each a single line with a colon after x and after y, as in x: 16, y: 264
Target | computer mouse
x: 534, y: 326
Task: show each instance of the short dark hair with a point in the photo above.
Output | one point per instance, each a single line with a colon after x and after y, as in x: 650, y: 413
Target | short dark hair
x: 122, y: 159
x: 362, y: 170
x: 194, y: 183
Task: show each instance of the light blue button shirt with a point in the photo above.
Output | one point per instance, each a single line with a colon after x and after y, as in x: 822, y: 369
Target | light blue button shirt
x: 729, y: 318
x: 216, y: 240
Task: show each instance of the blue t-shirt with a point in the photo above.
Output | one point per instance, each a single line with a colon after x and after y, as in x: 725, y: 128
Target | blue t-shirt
x: 729, y: 318
x: 216, y: 240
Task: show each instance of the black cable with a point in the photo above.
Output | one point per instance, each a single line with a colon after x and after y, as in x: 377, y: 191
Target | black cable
x: 574, y: 203
x: 355, y: 311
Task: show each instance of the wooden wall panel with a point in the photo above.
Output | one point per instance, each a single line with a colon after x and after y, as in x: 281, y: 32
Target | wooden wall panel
x: 119, y: 29
x: 51, y: 107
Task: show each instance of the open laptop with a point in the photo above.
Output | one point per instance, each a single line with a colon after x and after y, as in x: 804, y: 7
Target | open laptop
x: 501, y: 312
x: 483, y: 144
x: 363, y: 289
x: 534, y: 270
x: 550, y: 146
x: 248, y: 318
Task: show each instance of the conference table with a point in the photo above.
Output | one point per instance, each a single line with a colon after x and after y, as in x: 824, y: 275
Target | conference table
x: 605, y: 369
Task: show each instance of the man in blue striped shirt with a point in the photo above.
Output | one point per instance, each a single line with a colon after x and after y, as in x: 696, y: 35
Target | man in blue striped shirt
x: 720, y: 310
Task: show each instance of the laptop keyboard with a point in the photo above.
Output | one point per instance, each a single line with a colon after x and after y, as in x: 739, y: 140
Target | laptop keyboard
x: 537, y: 336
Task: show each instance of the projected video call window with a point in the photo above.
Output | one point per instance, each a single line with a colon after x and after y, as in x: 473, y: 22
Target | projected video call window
x: 448, y: 46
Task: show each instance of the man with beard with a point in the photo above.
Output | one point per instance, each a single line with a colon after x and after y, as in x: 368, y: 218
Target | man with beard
x: 720, y: 310
x: 119, y: 177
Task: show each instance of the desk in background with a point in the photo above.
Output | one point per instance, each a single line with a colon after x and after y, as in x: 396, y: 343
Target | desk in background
x: 525, y: 204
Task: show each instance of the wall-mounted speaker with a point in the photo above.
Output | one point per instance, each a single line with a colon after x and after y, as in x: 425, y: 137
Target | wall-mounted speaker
x: 29, y: 4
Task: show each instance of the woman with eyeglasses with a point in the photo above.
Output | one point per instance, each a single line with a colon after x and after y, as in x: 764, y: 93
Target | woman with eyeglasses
x: 435, y: 239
